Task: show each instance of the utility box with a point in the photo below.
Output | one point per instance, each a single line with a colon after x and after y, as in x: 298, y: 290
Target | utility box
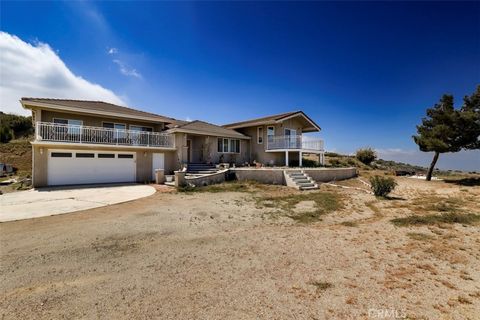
x: 159, y: 176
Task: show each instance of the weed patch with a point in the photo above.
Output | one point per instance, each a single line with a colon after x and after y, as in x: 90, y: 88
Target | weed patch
x: 420, y: 236
x: 324, y: 202
x: 321, y: 286
x: 349, y: 224
x: 448, y: 218
x: 234, y: 186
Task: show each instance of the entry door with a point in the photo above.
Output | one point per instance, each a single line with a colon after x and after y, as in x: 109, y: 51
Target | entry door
x: 158, y: 162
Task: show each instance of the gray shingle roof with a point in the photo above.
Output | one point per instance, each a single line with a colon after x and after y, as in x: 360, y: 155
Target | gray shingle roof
x: 100, y: 106
x: 268, y: 119
x: 202, y: 127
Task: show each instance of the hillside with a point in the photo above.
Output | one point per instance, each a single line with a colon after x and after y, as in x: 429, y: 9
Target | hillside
x: 19, y: 154
x: 338, y: 160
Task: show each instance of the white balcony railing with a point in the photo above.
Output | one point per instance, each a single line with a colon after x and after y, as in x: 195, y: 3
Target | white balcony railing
x: 294, y: 142
x: 47, y: 131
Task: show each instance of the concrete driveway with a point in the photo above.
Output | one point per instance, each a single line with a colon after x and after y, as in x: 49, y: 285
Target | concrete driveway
x: 51, y: 201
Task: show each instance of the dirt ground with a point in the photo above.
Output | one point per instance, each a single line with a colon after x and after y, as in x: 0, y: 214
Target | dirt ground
x: 235, y: 255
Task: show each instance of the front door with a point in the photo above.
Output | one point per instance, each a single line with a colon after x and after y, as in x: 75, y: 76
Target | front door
x: 158, y: 162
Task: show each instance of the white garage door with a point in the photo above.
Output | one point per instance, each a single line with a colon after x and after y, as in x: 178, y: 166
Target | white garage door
x: 83, y: 167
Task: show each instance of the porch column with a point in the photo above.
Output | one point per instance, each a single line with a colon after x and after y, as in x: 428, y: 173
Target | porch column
x: 300, y: 154
x: 286, y: 158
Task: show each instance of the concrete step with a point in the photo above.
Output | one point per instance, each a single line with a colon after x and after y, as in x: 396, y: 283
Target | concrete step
x: 309, y: 188
x: 201, y: 171
x: 306, y: 184
x: 303, y: 180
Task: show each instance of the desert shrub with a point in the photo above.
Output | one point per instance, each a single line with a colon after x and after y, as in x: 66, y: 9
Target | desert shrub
x: 382, y: 186
x: 366, y: 155
x: 332, y: 154
x: 336, y: 163
x: 6, y: 134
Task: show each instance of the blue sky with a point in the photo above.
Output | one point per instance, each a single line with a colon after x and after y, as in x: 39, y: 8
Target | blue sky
x: 364, y: 71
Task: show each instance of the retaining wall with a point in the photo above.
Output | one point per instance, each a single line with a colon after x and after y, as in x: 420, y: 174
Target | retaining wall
x: 271, y: 175
x: 275, y: 176
x: 205, y: 180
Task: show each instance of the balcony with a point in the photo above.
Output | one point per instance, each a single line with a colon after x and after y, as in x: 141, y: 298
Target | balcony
x: 297, y: 142
x: 53, y: 132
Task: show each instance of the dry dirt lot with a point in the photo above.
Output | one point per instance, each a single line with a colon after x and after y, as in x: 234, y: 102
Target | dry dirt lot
x: 251, y: 252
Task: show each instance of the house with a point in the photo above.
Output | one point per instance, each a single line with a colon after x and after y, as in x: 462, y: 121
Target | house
x: 279, y: 139
x: 85, y: 142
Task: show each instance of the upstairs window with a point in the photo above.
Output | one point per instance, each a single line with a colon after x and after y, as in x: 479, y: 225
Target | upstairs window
x: 73, y: 126
x: 140, y: 128
x: 270, y: 131
x: 119, y: 128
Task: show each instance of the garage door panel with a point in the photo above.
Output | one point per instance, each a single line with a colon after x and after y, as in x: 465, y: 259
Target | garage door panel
x: 83, y: 169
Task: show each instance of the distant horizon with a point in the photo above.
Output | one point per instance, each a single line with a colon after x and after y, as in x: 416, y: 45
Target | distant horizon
x: 364, y: 71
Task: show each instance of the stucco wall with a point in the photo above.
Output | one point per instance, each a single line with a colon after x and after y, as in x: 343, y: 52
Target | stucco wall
x: 267, y: 176
x: 144, y: 166
x: 39, y: 167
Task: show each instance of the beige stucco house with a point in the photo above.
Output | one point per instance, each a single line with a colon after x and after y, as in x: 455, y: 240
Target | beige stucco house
x: 83, y: 142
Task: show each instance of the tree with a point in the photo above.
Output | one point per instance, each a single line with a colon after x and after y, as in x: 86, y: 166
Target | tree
x: 469, y: 121
x: 446, y: 129
x: 14, y: 126
x: 438, y: 132
x: 366, y: 155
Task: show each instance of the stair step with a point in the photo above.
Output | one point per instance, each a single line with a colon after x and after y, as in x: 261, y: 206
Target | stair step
x: 306, y: 184
x: 309, y: 188
x: 201, y: 171
x: 302, y: 181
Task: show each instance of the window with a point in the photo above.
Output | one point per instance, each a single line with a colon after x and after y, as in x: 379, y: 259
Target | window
x: 85, y: 155
x: 260, y: 135
x: 119, y: 127
x: 270, y: 131
x: 73, y: 126
x: 228, y: 145
x: 111, y: 125
x: 61, y: 154
x: 235, y: 146
x: 225, y: 145
x: 140, y: 128
x: 125, y: 156
x: 106, y: 155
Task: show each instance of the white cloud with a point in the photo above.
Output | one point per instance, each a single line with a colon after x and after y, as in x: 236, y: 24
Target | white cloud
x: 126, y: 70
x: 112, y: 51
x: 28, y: 70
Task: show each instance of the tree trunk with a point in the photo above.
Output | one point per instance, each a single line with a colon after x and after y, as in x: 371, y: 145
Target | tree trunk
x: 432, y: 166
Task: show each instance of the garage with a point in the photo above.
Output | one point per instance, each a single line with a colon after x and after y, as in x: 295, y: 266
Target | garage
x: 88, y: 167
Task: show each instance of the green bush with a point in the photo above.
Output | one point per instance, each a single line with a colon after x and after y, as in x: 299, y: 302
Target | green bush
x: 366, y: 155
x: 382, y: 186
x: 6, y: 134
x: 308, y: 163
